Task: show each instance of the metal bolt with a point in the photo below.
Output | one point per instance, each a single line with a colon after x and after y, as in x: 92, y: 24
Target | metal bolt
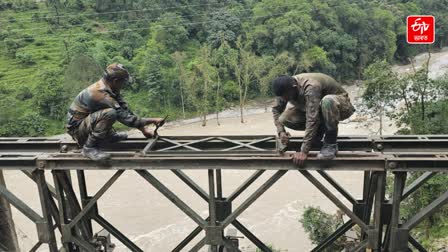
x: 380, y: 147
x: 41, y: 164
x: 64, y: 148
x: 393, y: 165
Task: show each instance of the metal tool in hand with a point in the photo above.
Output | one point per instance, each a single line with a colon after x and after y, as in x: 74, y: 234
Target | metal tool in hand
x: 152, y: 142
x: 158, y: 126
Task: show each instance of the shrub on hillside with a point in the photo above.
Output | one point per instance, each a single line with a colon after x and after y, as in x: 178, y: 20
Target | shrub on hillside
x: 76, y: 20
x: 25, y: 58
x: 12, y: 45
x: 319, y: 225
x: 3, y: 34
x: 28, y: 38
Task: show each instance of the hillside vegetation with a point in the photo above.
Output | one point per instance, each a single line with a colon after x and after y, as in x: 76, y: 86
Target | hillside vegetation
x: 187, y: 57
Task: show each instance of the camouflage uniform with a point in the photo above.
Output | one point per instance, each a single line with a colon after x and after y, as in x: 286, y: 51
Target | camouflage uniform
x: 95, y: 110
x: 320, y: 105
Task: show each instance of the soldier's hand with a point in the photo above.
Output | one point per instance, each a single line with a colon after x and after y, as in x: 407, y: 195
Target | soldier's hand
x: 299, y: 158
x: 148, y: 133
x: 159, y: 121
x: 156, y: 121
x: 284, y: 138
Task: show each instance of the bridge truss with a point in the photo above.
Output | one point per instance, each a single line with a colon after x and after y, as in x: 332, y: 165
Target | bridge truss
x: 378, y: 217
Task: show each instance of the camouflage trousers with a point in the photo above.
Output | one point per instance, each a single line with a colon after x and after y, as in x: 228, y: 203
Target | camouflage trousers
x: 97, y: 125
x: 333, y: 109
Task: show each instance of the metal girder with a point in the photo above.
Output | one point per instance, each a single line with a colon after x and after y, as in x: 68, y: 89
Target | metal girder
x: 417, y: 183
x: 74, y: 208
x: 245, y: 185
x: 117, y: 234
x: 250, y: 236
x: 20, y: 205
x: 392, y: 239
x: 416, y: 244
x: 334, y: 199
x: 45, y: 197
x: 240, y: 144
x: 338, y: 187
x: 198, y: 245
x: 426, y: 143
x: 333, y: 237
x: 253, y: 161
x: 251, y: 199
x: 375, y: 242
x: 427, y: 211
x: 190, y: 183
x: 250, y: 143
x: 188, y: 239
x: 374, y: 155
x: 172, y: 197
x: 95, y: 198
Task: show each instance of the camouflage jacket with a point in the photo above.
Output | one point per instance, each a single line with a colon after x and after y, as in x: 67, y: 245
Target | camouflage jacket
x: 311, y: 88
x: 100, y: 96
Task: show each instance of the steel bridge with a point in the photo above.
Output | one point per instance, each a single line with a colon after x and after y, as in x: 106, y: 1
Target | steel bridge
x: 378, y: 216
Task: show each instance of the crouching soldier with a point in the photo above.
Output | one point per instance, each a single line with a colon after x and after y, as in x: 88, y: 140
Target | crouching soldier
x: 317, y: 103
x: 95, y: 110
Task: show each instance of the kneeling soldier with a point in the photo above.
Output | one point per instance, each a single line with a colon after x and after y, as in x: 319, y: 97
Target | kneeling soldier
x: 317, y: 103
x: 95, y: 110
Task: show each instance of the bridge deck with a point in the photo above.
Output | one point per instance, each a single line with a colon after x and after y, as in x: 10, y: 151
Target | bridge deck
x: 375, y: 156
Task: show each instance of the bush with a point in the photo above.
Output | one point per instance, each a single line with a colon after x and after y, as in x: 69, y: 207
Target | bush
x: 39, y: 43
x: 12, y: 46
x: 24, y: 94
x: 3, y: 34
x: 25, y: 58
x: 76, y: 20
x: 11, y: 20
x: 28, y: 38
x: 319, y: 225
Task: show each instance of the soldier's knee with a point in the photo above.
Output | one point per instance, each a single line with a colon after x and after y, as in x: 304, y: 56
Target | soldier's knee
x: 110, y: 114
x: 286, y: 121
x: 328, y: 104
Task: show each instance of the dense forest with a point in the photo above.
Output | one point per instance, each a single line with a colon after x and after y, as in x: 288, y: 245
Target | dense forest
x: 188, y: 58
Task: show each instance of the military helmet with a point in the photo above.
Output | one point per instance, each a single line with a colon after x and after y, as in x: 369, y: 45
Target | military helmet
x: 117, y: 71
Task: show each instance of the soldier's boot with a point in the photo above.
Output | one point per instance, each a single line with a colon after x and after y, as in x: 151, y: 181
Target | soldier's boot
x: 91, y: 151
x: 328, y: 152
x: 117, y: 137
x: 330, y: 147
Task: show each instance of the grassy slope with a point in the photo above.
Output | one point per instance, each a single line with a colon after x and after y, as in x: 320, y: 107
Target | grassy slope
x: 47, y: 51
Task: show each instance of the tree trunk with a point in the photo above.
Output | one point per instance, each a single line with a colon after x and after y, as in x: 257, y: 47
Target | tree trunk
x: 182, y: 99
x: 8, y: 236
x: 205, y: 102
x: 241, y: 103
x: 217, y: 101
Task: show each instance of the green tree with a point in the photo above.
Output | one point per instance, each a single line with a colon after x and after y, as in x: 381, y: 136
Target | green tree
x: 380, y: 89
x: 169, y: 32
x: 179, y: 58
x: 319, y: 225
x: 79, y: 74
x: 242, y: 66
x: 49, y: 95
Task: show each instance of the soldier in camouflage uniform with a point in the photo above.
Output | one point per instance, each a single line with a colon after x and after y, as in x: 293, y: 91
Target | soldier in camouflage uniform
x: 95, y: 110
x: 317, y: 103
